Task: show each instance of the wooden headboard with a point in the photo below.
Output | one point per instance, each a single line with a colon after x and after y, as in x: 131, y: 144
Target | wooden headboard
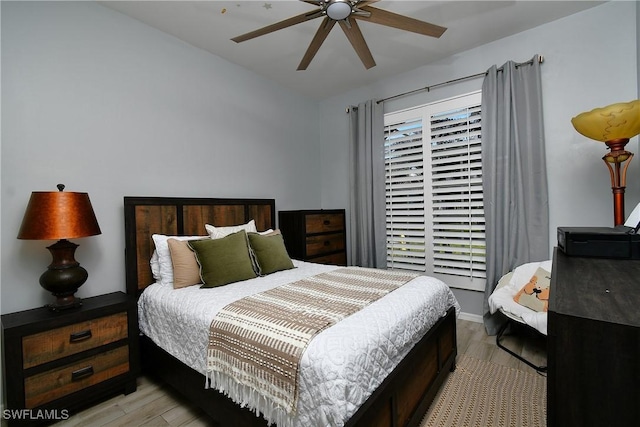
x: 177, y: 216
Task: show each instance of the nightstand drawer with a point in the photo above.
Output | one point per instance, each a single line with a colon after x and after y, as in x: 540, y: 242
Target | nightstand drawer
x: 61, y: 342
x: 324, y: 223
x: 53, y: 384
x: 321, y: 244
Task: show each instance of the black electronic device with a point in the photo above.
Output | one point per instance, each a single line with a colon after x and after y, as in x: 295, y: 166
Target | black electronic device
x: 621, y: 241
x: 603, y: 242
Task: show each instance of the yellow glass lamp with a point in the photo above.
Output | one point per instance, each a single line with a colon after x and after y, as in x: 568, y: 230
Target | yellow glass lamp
x: 614, y: 125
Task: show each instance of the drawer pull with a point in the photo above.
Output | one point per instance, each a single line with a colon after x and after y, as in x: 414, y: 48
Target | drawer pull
x: 82, y: 373
x: 80, y: 336
x: 326, y: 222
x: 327, y: 243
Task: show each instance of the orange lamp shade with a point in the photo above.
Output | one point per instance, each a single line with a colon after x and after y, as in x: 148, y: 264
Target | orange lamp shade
x: 52, y: 215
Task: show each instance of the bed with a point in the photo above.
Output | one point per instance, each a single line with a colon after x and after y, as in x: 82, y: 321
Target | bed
x: 400, y: 397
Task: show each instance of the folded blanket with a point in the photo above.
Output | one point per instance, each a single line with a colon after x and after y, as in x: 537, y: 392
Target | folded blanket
x: 255, y: 343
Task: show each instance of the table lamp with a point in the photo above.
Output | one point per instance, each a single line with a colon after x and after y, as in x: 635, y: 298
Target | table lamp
x: 614, y: 125
x: 52, y: 215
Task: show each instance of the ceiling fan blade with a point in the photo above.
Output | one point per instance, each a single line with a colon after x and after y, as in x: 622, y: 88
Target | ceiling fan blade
x: 363, y: 3
x: 352, y: 30
x: 278, y: 26
x: 390, y: 19
x: 318, y: 39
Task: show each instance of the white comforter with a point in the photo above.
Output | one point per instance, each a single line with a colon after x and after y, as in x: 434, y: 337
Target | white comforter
x: 341, y: 367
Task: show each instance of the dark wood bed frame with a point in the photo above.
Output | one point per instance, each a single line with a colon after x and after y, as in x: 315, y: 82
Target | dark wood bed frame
x: 402, y: 398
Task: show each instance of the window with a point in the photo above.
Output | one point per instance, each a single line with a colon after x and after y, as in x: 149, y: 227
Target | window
x: 435, y: 214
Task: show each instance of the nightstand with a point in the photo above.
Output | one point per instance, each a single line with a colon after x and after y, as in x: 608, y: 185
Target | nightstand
x: 57, y: 363
x: 315, y: 235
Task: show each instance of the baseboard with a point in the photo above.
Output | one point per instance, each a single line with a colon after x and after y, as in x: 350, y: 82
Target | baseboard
x: 470, y: 317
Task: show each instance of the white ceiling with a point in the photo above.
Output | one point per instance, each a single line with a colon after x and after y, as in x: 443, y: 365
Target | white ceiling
x: 210, y: 25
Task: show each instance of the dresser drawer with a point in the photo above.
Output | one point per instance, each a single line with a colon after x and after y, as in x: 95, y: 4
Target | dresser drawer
x: 317, y: 245
x: 315, y: 235
x: 324, y: 223
x: 339, y: 258
x: 53, y: 384
x: 58, y: 343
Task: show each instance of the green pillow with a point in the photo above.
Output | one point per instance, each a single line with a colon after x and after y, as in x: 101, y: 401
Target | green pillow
x: 270, y: 252
x: 224, y: 260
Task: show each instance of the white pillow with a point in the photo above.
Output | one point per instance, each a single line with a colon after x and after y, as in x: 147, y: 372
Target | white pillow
x: 155, y: 266
x: 165, y: 267
x: 220, y: 232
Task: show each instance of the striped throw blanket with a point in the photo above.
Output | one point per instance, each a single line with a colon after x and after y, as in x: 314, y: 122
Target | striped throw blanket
x: 255, y: 343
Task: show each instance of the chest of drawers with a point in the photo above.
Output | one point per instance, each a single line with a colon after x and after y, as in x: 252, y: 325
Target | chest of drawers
x: 57, y: 363
x: 315, y: 235
x: 593, y: 342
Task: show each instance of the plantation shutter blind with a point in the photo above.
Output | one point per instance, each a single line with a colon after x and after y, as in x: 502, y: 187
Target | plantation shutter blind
x: 456, y: 192
x: 404, y: 169
x: 435, y: 215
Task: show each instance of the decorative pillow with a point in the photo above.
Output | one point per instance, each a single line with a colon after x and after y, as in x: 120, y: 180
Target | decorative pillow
x: 535, y: 294
x: 225, y: 260
x: 186, y: 271
x: 165, y: 273
x: 219, y: 232
x: 254, y: 260
x: 269, y: 252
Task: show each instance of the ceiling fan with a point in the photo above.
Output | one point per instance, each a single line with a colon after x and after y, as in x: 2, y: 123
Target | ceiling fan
x: 341, y: 11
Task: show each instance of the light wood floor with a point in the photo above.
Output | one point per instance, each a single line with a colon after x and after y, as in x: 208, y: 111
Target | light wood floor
x: 153, y: 404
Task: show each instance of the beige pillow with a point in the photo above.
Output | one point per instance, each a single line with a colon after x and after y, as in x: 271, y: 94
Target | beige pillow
x: 163, y: 257
x: 186, y: 271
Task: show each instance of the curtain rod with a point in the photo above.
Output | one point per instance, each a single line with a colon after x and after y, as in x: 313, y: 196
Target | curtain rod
x: 428, y: 88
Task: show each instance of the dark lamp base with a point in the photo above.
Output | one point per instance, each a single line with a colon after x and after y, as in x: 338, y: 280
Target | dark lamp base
x: 63, y: 303
x: 63, y: 276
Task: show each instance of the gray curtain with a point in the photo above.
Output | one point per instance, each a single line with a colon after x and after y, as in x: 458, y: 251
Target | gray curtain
x: 514, y: 173
x: 367, y: 229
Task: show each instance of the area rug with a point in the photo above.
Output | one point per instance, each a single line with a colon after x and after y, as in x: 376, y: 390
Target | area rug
x: 484, y: 394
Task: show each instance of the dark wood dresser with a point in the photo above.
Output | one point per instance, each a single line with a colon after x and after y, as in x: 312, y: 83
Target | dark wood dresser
x: 315, y: 235
x: 593, y: 342
x: 58, y: 363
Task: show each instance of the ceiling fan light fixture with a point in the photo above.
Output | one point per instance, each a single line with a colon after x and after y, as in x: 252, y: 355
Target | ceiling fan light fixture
x: 346, y: 13
x: 338, y: 9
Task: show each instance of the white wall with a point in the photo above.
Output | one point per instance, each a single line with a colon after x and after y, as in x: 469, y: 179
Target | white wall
x: 590, y: 62
x: 104, y: 104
